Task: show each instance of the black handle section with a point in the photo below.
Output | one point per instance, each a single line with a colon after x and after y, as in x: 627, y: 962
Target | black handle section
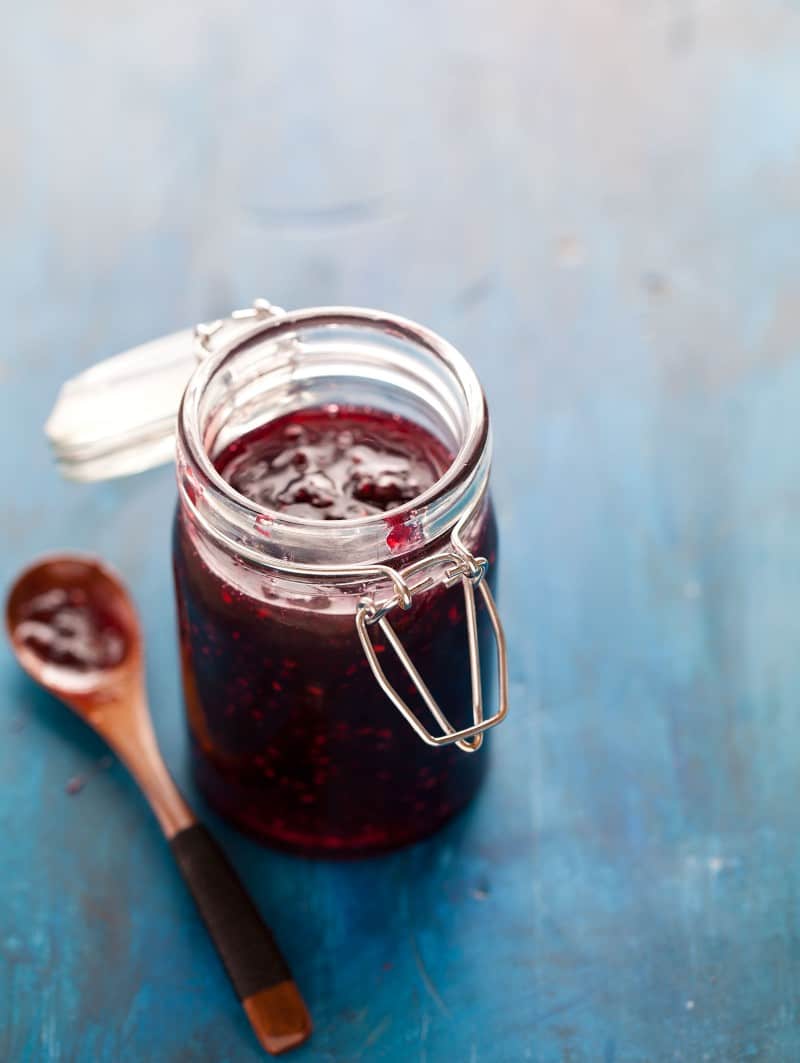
x: 246, y: 946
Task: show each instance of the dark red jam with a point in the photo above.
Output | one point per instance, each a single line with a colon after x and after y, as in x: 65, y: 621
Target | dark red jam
x: 292, y: 738
x: 64, y: 627
x: 334, y: 463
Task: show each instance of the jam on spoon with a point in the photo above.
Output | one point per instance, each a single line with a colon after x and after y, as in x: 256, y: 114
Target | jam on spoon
x: 64, y: 626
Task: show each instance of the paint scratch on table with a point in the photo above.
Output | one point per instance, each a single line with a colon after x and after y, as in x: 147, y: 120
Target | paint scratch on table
x: 474, y: 293
x: 357, y: 212
x: 561, y: 1009
x: 375, y: 1035
x: 427, y: 981
x: 424, y: 1026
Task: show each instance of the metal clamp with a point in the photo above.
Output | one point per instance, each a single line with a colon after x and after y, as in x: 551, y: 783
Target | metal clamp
x: 456, y: 564
x: 205, y: 331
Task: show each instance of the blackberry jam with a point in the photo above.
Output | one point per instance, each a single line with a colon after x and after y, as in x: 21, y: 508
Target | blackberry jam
x: 334, y: 462
x: 64, y: 626
x: 287, y: 523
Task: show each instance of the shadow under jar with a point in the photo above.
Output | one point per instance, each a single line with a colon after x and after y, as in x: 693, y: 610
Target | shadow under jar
x: 296, y: 586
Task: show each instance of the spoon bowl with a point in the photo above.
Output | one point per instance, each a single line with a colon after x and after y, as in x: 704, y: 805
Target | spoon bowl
x: 100, y: 591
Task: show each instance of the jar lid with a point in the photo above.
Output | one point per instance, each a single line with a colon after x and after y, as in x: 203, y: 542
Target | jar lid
x: 118, y: 417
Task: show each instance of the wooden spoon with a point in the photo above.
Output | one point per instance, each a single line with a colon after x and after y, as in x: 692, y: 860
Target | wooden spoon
x: 74, y: 629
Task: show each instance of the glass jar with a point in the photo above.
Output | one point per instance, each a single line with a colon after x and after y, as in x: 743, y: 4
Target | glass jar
x: 335, y: 672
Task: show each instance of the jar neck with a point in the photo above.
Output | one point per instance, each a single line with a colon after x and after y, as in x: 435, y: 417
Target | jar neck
x: 316, y: 357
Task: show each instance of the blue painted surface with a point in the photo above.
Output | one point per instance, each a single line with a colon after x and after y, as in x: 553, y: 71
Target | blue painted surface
x: 599, y: 204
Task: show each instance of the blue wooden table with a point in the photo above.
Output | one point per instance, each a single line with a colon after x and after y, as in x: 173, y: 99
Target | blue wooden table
x: 600, y: 204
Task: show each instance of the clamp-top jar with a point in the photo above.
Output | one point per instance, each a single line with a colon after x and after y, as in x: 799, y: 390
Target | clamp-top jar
x: 335, y: 670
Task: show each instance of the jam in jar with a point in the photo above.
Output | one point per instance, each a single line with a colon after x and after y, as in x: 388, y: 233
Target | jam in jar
x: 315, y: 460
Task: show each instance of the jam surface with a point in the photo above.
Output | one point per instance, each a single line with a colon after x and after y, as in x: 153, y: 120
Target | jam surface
x: 292, y: 738
x: 63, y: 626
x: 333, y: 463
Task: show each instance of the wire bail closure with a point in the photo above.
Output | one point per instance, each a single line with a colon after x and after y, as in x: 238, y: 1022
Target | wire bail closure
x: 455, y: 565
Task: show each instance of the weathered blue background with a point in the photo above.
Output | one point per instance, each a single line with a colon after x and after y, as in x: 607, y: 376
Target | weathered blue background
x: 599, y: 202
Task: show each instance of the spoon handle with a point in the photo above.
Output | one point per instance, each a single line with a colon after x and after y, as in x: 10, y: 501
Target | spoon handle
x: 254, y: 963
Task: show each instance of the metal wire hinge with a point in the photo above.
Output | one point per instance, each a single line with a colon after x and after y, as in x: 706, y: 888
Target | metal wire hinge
x: 455, y: 565
x: 205, y: 331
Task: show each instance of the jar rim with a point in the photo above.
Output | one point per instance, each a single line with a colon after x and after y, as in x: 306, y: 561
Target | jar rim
x: 464, y: 466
